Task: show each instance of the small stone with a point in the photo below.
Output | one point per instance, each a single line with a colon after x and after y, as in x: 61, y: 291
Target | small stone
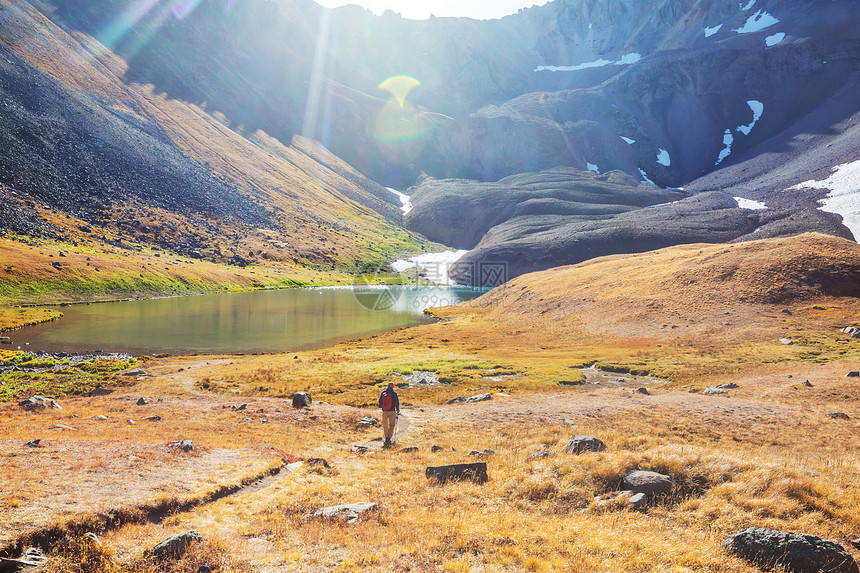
x: 838, y: 416
x: 643, y: 390
x: 39, y: 403
x: 142, y: 402
x: 358, y: 449
x: 348, y: 512
x: 714, y: 391
x: 302, y: 400
x: 409, y: 450
x: 786, y: 341
x: 367, y: 422
x: 436, y: 449
x: 728, y: 386
x: 808, y: 384
x: 33, y: 444
x: 242, y: 408
x: 174, y: 546
x: 470, y: 399
x: 248, y: 420
x: 853, y: 374
x: 314, y: 462
x: 579, y: 444
x: 135, y: 372
x: 483, y: 453
x: 130, y: 422
x: 541, y: 455
x: 184, y: 445
x: 153, y: 418
x: 64, y: 427
x: 638, y: 501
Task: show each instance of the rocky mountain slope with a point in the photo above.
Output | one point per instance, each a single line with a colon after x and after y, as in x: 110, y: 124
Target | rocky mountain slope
x: 743, y: 99
x: 127, y: 165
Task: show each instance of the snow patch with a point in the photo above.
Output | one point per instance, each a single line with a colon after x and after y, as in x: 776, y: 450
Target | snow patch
x: 593, y: 167
x: 758, y: 21
x: 434, y: 265
x: 663, y: 158
x: 728, y: 139
x: 405, y: 203
x: 757, y: 108
x: 645, y: 177
x: 775, y: 39
x: 711, y: 31
x: 844, y: 196
x: 627, y: 59
x: 749, y: 5
x: 750, y: 204
x: 628, y: 140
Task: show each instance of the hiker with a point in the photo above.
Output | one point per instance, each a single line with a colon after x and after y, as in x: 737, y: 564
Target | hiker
x: 390, y: 404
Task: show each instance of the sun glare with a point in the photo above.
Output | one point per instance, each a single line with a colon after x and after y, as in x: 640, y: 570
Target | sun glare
x: 423, y: 9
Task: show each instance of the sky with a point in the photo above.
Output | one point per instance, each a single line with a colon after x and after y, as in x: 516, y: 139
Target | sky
x: 421, y: 9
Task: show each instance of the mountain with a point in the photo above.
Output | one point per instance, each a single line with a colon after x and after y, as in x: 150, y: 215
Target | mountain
x: 731, y: 108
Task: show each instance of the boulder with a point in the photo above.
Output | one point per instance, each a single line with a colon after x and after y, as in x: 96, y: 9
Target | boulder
x: 476, y: 472
x: 39, y: 403
x: 647, y: 482
x: 580, y: 444
x: 174, y: 546
x: 728, y: 386
x: 471, y: 399
x: 135, y: 372
x: 348, y: 512
x: 769, y: 548
x: 302, y: 400
x: 367, y: 422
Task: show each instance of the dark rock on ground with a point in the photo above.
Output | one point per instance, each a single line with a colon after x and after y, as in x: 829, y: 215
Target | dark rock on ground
x: 853, y: 331
x: 482, y: 453
x: 301, y: 400
x: 647, y: 482
x: 142, y: 401
x: 838, y: 416
x: 153, y: 418
x: 728, y: 386
x: 184, y: 445
x: 39, y: 403
x: 580, y: 444
x: 476, y: 472
x: 643, y: 390
x: 853, y: 374
x: 436, y: 449
x: 32, y: 444
x: 174, y: 546
x: 470, y: 399
x: 359, y: 449
x: 409, y: 450
x: 135, y: 372
x: 318, y: 462
x: 769, y: 548
x: 348, y: 512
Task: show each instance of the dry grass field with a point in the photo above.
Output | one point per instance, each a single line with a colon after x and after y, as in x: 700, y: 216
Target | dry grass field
x: 562, y: 353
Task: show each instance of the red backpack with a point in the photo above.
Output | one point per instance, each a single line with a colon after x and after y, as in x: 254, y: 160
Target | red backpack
x: 385, y: 401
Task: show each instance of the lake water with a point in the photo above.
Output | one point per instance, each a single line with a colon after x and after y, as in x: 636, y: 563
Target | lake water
x: 271, y: 321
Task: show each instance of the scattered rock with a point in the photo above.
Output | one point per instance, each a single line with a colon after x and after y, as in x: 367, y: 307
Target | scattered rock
x: 638, y: 501
x: 853, y: 374
x: 853, y: 331
x: 579, y: 444
x: 483, y: 453
x: 808, y: 384
x: 314, y: 462
x: 39, y: 403
x: 302, y: 400
x: 248, y: 420
x: 367, y: 422
x: 184, y: 445
x: 349, y: 512
x: 33, y: 444
x: 142, y: 402
x: 714, y: 391
x: 647, y: 482
x: 728, y: 386
x: 153, y: 418
x: 569, y: 422
x: 838, y: 416
x: 786, y: 341
x: 174, y: 546
x: 643, y: 390
x: 620, y: 500
x: 436, y: 449
x: 31, y: 558
x: 135, y: 372
x: 769, y: 548
x: 63, y: 427
x: 409, y: 450
x: 541, y: 455
x: 476, y: 472
x: 241, y: 408
x: 471, y: 399
x: 422, y: 377
x: 358, y: 449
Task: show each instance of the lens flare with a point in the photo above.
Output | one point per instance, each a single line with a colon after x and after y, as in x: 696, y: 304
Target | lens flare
x: 399, y: 87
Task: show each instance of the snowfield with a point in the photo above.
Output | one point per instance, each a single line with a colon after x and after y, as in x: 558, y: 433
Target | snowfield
x: 775, y: 39
x: 757, y: 22
x: 405, y: 203
x: 757, y: 108
x: 663, y: 158
x: 844, y: 196
x: 627, y: 59
x: 434, y: 265
x: 750, y: 204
